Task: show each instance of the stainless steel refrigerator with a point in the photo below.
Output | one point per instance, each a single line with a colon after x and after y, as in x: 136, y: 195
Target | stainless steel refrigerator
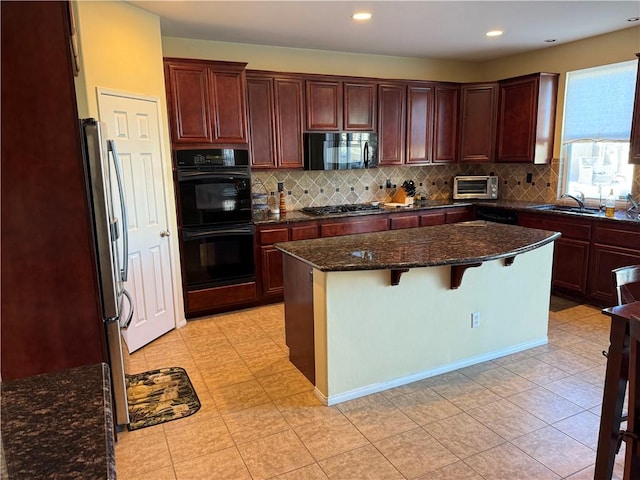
x: 110, y: 229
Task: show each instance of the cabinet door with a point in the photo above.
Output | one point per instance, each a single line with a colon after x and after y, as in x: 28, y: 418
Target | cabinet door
x: 288, y: 121
x: 324, y: 105
x: 605, y: 258
x: 526, y: 118
x: 261, y: 117
x: 272, y: 277
x: 359, y: 106
x: 477, y: 122
x: 228, y: 100
x: 445, y: 132
x: 391, y: 124
x: 188, y: 103
x: 634, y: 150
x: 419, y: 125
x: 516, y: 120
x: 570, y: 259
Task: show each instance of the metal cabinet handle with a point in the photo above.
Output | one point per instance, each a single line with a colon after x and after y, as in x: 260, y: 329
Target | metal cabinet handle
x: 165, y: 233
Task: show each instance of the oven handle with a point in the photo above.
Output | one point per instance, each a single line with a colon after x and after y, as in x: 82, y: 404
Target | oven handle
x: 227, y: 174
x: 218, y: 232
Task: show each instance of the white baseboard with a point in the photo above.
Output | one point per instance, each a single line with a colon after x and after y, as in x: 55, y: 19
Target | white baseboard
x: 379, y: 387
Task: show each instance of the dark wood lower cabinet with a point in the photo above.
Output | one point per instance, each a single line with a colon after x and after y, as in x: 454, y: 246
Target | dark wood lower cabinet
x: 298, y: 313
x: 613, y: 246
x: 605, y: 258
x: 570, y: 261
x: 271, y: 264
x: 587, y: 252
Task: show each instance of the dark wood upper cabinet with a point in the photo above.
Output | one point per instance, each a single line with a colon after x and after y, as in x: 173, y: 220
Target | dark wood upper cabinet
x: 188, y: 103
x: 634, y: 150
x: 392, y: 107
x: 359, y: 106
x: 261, y: 121
x: 445, y: 130
x: 276, y: 120
x: 419, y: 124
x: 334, y: 104
x: 206, y: 101
x: 229, y: 117
x: 289, y: 117
x: 478, y: 110
x: 526, y: 118
x: 324, y: 105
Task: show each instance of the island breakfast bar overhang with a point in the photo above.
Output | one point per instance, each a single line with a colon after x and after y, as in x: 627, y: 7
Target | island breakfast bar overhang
x: 354, y: 327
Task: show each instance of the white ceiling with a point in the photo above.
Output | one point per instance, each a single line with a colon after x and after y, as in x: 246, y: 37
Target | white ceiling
x: 427, y: 29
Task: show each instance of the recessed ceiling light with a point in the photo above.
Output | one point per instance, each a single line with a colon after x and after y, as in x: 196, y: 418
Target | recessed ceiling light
x: 361, y: 16
x: 633, y: 19
x: 494, y: 33
x: 550, y: 40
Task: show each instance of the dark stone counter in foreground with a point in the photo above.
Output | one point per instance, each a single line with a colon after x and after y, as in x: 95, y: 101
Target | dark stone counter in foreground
x: 59, y: 425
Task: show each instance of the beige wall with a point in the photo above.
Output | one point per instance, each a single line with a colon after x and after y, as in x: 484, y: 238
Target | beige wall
x: 121, y: 49
x: 299, y: 60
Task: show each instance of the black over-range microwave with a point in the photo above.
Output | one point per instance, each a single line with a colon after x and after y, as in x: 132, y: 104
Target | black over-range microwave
x: 340, y: 150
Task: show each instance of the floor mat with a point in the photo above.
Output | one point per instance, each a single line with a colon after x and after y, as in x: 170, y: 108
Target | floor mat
x: 160, y: 396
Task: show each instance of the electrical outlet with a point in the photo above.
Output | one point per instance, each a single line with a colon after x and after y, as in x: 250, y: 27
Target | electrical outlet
x: 475, y: 319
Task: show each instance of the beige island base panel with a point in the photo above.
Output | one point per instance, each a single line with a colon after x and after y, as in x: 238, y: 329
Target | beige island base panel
x: 371, y: 336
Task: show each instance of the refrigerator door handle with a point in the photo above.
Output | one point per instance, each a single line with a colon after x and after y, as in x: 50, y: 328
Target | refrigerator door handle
x: 126, y: 323
x: 124, y: 273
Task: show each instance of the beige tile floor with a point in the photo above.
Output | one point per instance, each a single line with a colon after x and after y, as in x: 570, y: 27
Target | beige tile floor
x: 531, y: 415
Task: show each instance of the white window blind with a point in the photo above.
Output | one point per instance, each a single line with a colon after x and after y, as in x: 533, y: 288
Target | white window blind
x: 599, y: 103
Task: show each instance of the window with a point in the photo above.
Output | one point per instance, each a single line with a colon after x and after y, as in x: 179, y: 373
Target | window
x: 597, y: 129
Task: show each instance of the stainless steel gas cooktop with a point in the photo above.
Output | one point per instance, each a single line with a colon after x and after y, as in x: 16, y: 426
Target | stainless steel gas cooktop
x: 333, y: 209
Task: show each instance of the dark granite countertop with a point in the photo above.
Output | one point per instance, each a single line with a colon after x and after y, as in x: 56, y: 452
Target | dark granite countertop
x: 297, y: 216
x: 59, y: 425
x: 451, y: 244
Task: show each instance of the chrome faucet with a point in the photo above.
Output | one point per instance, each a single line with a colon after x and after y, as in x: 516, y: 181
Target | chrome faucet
x: 579, y: 199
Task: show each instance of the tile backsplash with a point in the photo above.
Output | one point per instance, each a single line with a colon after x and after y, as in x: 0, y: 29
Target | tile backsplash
x: 316, y: 188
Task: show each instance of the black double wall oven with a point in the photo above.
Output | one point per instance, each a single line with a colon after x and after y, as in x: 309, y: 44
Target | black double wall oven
x: 214, y: 196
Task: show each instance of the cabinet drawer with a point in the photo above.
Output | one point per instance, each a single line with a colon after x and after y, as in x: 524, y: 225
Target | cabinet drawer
x: 458, y: 215
x: 569, y: 229
x: 619, y: 237
x: 429, y: 219
x: 217, y: 297
x: 273, y: 235
x: 398, y: 222
x: 304, y: 232
x: 357, y: 226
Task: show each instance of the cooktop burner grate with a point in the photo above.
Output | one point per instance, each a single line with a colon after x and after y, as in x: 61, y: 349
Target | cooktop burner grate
x: 333, y: 209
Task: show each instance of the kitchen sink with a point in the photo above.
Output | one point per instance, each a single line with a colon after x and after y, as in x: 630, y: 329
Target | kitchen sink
x: 569, y: 209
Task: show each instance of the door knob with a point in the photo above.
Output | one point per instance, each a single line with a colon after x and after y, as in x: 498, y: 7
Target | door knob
x: 165, y: 233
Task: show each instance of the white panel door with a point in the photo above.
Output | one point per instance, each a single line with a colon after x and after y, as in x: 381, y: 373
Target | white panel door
x: 133, y: 123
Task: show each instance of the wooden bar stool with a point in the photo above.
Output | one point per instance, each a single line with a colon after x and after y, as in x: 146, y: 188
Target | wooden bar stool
x: 625, y: 280
x: 632, y: 434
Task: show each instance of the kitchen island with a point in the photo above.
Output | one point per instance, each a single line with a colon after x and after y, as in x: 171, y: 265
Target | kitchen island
x: 368, y: 312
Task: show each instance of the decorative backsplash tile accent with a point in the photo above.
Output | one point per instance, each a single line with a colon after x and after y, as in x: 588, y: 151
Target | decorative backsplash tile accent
x: 317, y: 188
